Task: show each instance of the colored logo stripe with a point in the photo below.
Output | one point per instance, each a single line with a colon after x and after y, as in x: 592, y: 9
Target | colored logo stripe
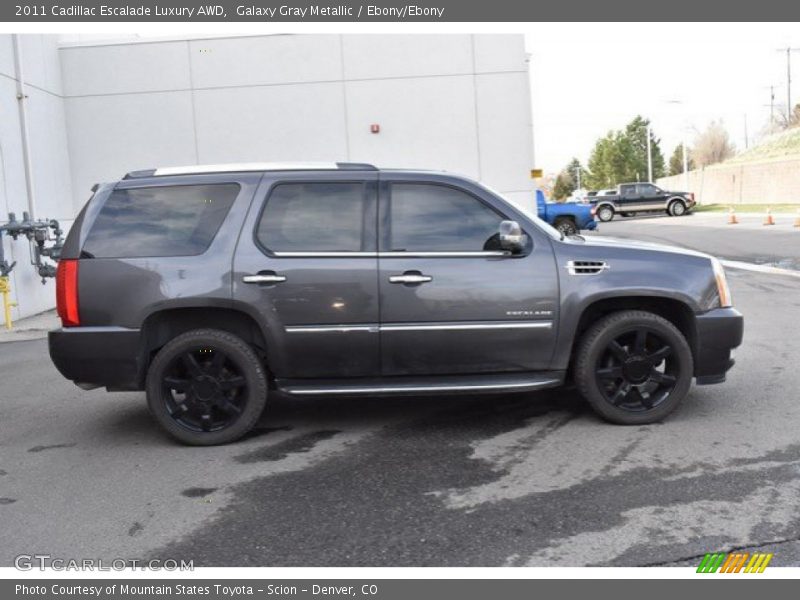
x: 711, y: 562
x: 734, y: 562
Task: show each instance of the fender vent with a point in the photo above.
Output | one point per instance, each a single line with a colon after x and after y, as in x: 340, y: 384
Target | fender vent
x: 586, y: 267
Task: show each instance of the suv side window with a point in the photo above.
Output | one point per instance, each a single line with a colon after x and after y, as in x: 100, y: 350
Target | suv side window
x: 176, y: 220
x: 313, y: 217
x: 437, y: 218
x: 628, y: 191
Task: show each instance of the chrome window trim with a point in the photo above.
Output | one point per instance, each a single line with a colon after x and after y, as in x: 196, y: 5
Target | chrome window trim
x: 443, y: 254
x: 422, y: 388
x: 356, y: 254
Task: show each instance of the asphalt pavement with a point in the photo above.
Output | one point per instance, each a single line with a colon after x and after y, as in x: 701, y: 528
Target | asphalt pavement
x: 749, y: 240
x: 522, y: 479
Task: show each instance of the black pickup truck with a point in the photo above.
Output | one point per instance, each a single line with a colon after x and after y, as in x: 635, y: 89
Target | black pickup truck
x: 632, y: 198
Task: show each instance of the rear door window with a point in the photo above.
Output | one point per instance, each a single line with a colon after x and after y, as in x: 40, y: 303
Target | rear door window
x: 314, y: 217
x: 178, y: 220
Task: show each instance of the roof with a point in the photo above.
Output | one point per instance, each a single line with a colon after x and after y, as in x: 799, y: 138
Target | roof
x: 250, y: 167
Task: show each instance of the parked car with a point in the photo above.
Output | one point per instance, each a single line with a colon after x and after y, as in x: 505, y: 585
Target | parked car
x: 213, y: 288
x: 569, y: 218
x: 632, y: 198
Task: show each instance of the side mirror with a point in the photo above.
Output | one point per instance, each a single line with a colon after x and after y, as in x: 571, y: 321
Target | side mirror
x: 511, y: 236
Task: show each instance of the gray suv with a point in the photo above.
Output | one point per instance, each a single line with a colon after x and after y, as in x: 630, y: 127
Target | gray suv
x: 213, y: 287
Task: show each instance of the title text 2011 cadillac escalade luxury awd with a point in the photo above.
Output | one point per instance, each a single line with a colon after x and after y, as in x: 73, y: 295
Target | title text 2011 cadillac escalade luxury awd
x: 213, y: 287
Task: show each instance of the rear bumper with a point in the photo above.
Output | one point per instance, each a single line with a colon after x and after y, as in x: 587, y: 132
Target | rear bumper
x: 590, y: 225
x: 98, y: 356
x: 718, y: 332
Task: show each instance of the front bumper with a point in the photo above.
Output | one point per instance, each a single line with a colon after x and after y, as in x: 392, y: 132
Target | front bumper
x: 717, y: 333
x: 98, y: 356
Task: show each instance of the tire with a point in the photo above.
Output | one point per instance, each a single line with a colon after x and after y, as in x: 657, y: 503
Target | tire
x: 566, y: 226
x: 206, y: 387
x: 629, y: 377
x: 677, y: 208
x: 605, y: 213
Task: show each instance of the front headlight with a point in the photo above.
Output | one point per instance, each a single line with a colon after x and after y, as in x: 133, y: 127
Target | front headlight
x: 722, y: 284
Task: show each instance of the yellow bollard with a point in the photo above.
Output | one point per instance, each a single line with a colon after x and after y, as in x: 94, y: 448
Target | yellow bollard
x: 5, y: 289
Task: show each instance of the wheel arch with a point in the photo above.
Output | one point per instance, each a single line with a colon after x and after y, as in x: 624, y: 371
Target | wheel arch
x: 677, y: 311
x: 160, y: 326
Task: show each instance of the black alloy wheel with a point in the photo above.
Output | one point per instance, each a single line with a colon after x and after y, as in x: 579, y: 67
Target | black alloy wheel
x: 204, y: 390
x: 207, y: 387
x: 633, y: 367
x: 637, y: 371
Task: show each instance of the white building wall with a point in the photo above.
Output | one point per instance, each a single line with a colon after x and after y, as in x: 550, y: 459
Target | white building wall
x: 51, y: 178
x: 454, y: 102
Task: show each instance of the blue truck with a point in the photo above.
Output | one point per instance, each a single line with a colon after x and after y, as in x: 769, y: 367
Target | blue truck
x: 568, y: 218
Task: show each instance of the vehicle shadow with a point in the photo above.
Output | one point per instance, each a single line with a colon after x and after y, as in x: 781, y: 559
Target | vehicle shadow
x: 132, y: 423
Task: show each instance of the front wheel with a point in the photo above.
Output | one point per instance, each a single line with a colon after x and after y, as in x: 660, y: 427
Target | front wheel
x: 206, y: 387
x: 605, y: 213
x: 633, y: 367
x: 566, y: 227
x: 677, y: 208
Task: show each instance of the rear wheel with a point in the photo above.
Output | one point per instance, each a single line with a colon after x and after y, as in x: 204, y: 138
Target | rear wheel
x: 206, y: 387
x: 566, y: 226
x: 605, y: 213
x: 633, y: 367
x: 677, y: 208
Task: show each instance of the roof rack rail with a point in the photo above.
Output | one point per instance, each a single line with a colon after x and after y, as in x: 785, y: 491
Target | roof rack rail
x: 250, y: 167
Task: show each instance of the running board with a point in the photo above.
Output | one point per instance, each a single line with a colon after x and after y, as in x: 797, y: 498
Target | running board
x: 429, y: 384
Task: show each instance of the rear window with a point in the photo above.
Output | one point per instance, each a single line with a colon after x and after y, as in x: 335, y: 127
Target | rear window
x: 178, y: 220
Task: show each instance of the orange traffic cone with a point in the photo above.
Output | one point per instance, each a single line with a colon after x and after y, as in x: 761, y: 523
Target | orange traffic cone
x: 732, y: 220
x: 769, y: 220
x: 797, y: 219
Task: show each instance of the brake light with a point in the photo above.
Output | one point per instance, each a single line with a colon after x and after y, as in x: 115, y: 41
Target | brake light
x: 593, y: 211
x: 67, y: 293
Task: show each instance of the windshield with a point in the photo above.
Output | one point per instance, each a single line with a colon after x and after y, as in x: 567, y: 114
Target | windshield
x: 529, y: 212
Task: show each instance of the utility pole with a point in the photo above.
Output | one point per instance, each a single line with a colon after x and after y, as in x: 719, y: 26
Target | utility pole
x: 685, y: 165
x: 771, y: 106
x: 746, y: 144
x: 789, y: 107
x: 649, y: 157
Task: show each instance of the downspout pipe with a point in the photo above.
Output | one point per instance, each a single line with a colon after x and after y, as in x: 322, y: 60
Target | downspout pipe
x: 22, y: 97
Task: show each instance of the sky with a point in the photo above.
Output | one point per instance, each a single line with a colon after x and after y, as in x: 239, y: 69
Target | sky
x: 589, y: 78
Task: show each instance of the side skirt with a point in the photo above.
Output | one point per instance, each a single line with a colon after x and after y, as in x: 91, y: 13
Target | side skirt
x: 413, y: 385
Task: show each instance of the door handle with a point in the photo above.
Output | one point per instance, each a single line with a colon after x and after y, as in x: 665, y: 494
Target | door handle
x: 265, y: 277
x: 410, y: 278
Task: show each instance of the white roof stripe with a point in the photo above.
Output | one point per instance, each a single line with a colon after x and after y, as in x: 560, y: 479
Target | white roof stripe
x: 237, y: 167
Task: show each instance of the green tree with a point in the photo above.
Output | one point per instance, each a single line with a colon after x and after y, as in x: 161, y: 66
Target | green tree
x: 621, y: 156
x: 636, y: 133
x: 676, y: 160
x: 567, y: 180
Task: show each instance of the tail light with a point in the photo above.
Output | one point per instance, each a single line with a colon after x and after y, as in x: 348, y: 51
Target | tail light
x: 691, y: 196
x: 67, y: 292
x: 593, y: 211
